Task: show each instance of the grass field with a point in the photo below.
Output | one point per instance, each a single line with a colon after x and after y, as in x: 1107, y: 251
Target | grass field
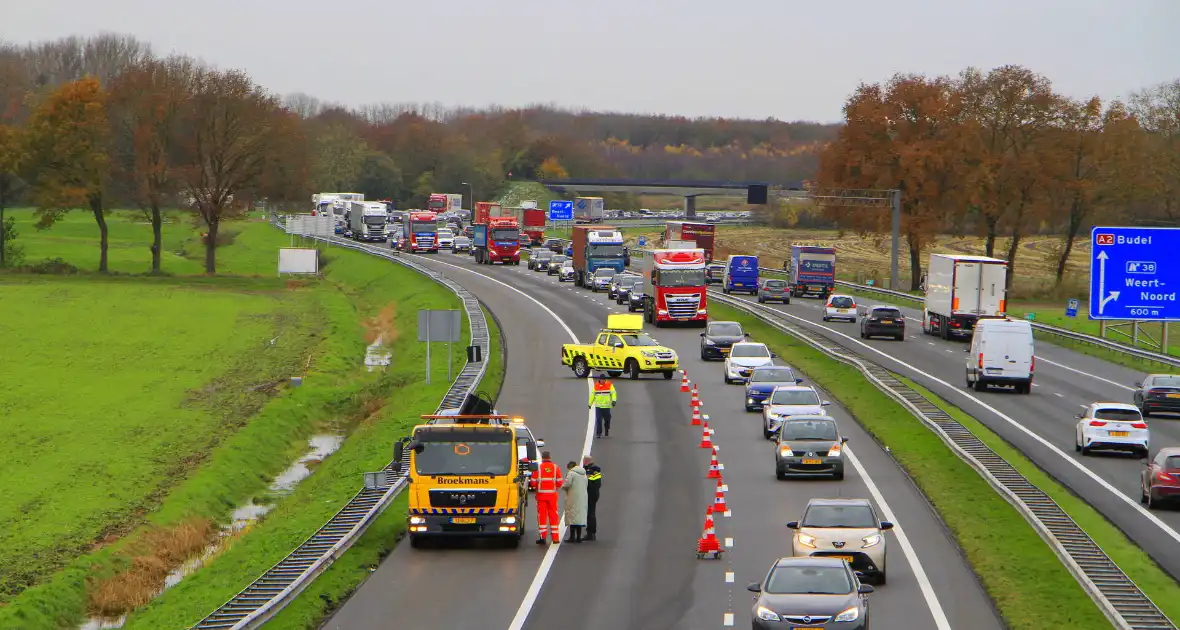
x: 161, y: 432
x: 991, y: 533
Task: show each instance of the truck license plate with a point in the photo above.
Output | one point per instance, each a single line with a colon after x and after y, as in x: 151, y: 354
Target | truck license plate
x: 463, y: 520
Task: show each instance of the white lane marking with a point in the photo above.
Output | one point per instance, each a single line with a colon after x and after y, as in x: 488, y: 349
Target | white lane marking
x: 1066, y: 367
x: 729, y: 577
x: 1155, y: 520
x: 907, y: 549
x: 727, y: 619
x: 1058, y: 394
x: 530, y: 597
x: 729, y: 543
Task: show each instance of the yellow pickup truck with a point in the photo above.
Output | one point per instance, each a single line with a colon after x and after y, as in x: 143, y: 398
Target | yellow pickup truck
x: 621, y: 347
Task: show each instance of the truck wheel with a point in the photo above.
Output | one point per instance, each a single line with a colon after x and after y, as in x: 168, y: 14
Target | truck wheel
x: 581, y: 368
x: 632, y: 369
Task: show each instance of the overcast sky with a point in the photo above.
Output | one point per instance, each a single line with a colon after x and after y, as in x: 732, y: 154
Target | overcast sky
x: 787, y: 59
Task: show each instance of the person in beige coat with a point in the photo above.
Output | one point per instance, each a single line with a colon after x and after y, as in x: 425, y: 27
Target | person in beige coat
x: 576, y: 498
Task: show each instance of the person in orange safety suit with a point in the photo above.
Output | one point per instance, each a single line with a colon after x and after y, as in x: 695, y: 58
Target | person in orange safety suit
x: 549, y: 481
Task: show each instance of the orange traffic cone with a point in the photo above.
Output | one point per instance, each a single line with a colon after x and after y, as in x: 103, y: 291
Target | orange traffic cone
x: 721, y: 485
x: 719, y: 506
x: 683, y: 382
x: 696, y: 397
x: 714, y: 466
x: 696, y: 416
x: 708, y: 543
x: 706, y: 436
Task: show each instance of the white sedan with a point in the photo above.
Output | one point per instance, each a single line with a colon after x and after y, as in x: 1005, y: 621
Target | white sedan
x: 743, y: 358
x: 786, y: 401
x: 840, y: 307
x: 1108, y: 426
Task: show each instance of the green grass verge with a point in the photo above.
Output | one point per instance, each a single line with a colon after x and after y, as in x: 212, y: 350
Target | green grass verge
x: 1156, y: 583
x: 1029, y: 585
x: 340, y: 581
x: 136, y: 385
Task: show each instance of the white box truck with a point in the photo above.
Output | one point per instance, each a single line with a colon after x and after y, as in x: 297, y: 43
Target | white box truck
x: 961, y: 290
x: 367, y: 220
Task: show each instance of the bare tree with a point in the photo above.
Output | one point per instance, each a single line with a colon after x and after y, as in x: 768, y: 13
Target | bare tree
x: 303, y: 105
x: 232, y: 126
x: 1158, y: 110
x: 67, y: 59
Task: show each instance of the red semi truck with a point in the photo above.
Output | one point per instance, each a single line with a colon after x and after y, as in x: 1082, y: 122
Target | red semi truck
x: 497, y: 237
x: 700, y: 233
x: 438, y: 203
x: 532, y: 220
x: 421, y: 232
x: 674, y: 287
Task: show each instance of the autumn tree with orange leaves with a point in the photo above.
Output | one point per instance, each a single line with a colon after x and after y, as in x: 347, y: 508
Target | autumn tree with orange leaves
x: 906, y: 135
x: 68, y: 142
x: 147, y: 103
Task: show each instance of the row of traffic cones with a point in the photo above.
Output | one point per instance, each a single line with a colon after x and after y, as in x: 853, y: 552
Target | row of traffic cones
x: 708, y: 544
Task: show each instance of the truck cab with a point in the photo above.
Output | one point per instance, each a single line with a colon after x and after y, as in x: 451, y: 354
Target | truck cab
x: 594, y: 248
x: 674, y: 287
x: 621, y: 347
x: 467, y: 478
x: 421, y: 232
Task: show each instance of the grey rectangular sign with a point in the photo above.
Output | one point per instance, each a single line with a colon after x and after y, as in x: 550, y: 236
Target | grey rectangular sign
x: 440, y: 326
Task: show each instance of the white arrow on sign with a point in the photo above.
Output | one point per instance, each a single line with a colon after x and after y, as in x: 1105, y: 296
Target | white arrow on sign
x: 1114, y: 295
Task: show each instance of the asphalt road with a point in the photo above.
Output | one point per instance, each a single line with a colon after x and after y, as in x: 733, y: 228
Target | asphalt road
x: 642, y: 573
x: 1042, y: 424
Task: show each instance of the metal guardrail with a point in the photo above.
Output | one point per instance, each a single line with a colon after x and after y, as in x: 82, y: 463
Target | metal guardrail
x: 278, y: 586
x: 1120, y: 599
x: 1065, y: 333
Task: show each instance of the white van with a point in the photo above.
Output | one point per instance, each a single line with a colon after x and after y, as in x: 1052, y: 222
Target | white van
x: 1001, y: 353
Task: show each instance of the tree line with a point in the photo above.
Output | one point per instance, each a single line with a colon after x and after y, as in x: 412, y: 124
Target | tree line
x: 1002, y: 155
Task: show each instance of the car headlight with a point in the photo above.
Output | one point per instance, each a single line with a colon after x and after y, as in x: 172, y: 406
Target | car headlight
x: 807, y: 540
x: 709, y: 342
x: 766, y: 614
x: 852, y: 614
x: 834, y: 451
x: 749, y: 401
x: 786, y: 451
x: 872, y: 541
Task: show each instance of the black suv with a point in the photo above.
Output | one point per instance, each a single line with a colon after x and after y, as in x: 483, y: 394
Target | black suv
x: 719, y: 337
x: 883, y: 321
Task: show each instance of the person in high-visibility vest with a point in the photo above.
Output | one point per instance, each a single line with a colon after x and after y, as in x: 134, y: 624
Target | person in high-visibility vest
x: 549, y: 481
x: 602, y: 398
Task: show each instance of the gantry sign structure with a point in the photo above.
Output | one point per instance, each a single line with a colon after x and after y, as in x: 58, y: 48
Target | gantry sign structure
x: 755, y: 192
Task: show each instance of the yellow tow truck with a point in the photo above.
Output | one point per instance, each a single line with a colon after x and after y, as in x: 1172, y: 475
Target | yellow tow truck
x: 621, y: 347
x: 466, y: 477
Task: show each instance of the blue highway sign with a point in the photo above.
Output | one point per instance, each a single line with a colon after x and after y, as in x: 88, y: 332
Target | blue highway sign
x: 561, y: 210
x: 1134, y: 273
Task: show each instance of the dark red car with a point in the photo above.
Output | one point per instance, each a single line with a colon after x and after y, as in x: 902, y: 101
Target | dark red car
x: 1160, y: 479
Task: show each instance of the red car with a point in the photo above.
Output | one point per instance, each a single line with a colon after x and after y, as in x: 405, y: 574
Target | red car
x: 1160, y: 479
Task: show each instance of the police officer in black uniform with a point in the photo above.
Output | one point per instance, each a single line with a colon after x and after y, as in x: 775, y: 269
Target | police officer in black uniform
x: 593, y: 485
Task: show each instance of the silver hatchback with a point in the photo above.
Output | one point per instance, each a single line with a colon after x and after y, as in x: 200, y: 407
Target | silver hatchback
x: 773, y: 290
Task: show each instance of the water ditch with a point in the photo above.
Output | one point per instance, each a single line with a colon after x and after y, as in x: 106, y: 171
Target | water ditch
x: 320, y: 447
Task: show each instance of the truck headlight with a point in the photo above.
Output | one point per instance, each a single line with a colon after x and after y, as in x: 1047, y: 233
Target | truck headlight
x: 417, y: 520
x: 508, y: 520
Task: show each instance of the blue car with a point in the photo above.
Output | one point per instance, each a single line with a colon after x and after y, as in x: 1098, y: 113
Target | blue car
x: 763, y: 380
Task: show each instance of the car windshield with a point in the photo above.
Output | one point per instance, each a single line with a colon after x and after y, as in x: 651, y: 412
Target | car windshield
x: 1118, y: 415
x: 604, y: 273
x: 544, y: 255
x: 750, y: 351
x: 809, y: 430
x: 1165, y: 381
x: 773, y: 375
x: 842, y: 302
x: 794, y: 397
x: 727, y: 329
x: 445, y: 233
x: 775, y: 284
x: 808, y: 580
x: 558, y: 258
x: 639, y: 339
x: 853, y: 516
x: 887, y: 313
x: 470, y: 458
x: 628, y: 281
x: 463, y: 240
